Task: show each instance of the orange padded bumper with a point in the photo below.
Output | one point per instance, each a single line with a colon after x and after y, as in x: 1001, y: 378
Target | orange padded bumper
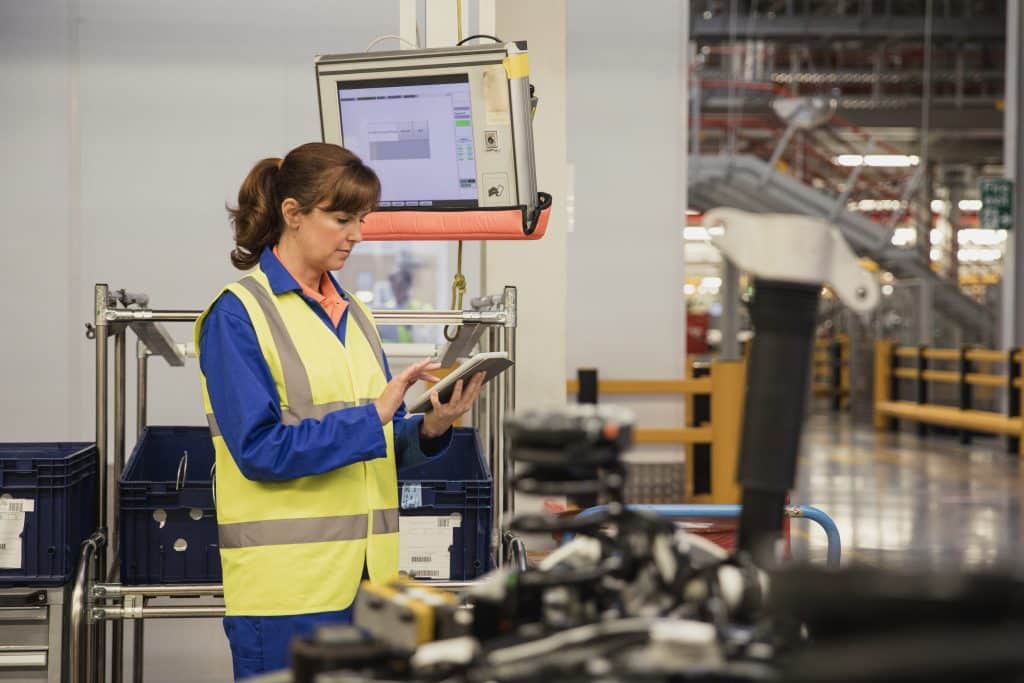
x: 474, y: 224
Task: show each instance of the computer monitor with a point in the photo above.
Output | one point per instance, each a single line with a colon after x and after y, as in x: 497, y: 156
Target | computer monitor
x: 445, y: 129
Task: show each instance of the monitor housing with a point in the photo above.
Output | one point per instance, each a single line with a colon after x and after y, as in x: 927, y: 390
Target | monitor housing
x: 446, y: 129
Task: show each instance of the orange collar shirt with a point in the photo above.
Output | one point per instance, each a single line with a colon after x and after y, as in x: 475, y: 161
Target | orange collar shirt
x: 328, y: 297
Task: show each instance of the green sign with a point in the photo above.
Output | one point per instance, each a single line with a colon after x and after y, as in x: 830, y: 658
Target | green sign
x: 996, y: 203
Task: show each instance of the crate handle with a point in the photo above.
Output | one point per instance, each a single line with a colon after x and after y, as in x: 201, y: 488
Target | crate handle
x: 182, y: 472
x: 33, y: 599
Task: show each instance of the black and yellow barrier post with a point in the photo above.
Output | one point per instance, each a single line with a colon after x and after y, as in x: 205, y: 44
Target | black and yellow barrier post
x: 964, y: 416
x: 883, y: 383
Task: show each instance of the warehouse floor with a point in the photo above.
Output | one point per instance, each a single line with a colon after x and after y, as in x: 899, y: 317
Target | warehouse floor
x: 903, y: 501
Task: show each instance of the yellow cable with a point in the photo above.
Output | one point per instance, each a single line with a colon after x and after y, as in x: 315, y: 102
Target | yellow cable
x: 458, y: 12
x: 458, y: 290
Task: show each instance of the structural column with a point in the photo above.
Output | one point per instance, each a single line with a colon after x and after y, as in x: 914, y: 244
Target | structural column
x: 1011, y: 333
x: 730, y: 320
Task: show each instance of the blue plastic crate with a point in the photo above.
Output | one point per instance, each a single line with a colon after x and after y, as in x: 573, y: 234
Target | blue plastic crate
x: 168, y: 520
x: 61, y: 480
x: 458, y: 481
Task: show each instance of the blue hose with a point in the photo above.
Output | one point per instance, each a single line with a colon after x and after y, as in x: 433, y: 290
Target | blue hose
x: 834, y: 547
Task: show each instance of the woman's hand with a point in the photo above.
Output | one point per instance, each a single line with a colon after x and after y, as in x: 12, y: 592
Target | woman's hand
x: 444, y: 415
x: 391, y: 398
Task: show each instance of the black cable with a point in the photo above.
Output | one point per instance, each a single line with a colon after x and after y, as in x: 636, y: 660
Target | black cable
x: 478, y: 35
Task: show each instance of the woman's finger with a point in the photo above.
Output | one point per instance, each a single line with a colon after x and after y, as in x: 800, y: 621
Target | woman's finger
x: 428, y: 378
x: 456, y: 394
x: 436, y: 402
x: 477, y: 386
x: 471, y: 393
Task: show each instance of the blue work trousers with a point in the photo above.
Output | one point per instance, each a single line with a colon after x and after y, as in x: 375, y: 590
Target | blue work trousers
x: 263, y: 644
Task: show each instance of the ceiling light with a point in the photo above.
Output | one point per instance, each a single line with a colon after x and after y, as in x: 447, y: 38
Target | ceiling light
x: 977, y: 255
x: 878, y: 160
x: 980, y: 237
x: 877, y: 205
x: 970, y: 205
x: 903, y: 237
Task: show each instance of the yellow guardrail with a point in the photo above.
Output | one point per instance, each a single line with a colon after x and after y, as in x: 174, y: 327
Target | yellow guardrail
x: 832, y: 370
x: 894, y: 363
x: 718, y: 436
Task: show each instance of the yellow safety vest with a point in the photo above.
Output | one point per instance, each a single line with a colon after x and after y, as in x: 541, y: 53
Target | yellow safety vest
x: 297, y: 547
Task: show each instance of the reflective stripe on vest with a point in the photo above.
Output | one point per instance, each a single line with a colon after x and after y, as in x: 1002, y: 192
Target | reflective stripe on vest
x: 312, y: 530
x: 300, y: 393
x: 385, y: 521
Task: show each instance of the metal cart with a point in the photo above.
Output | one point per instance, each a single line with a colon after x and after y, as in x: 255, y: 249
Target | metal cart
x: 97, y: 595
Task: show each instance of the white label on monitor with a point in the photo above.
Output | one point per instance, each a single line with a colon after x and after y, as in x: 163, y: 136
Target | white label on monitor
x: 12, y: 524
x: 424, y: 546
x: 495, y: 87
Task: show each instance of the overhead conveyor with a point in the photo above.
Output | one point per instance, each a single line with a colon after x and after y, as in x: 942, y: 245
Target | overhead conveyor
x: 749, y: 183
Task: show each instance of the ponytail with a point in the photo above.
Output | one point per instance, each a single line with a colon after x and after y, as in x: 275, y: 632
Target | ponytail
x: 257, y: 218
x: 316, y: 174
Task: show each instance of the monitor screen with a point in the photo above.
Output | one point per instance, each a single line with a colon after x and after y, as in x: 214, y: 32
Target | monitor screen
x: 417, y: 134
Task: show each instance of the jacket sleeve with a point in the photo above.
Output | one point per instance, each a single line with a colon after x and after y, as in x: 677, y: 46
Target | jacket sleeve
x: 248, y: 412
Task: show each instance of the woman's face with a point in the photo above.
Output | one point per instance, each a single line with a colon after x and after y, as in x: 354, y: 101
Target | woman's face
x: 326, y: 238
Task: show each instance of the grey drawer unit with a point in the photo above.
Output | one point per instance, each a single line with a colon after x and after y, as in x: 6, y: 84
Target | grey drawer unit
x: 33, y: 631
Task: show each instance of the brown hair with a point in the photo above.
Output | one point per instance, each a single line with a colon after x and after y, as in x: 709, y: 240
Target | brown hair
x: 316, y: 174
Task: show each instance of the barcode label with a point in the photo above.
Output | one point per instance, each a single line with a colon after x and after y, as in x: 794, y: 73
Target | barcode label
x: 424, y: 546
x: 17, y: 505
x: 13, y: 512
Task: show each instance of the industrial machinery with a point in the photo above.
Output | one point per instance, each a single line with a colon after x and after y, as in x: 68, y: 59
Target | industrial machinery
x: 631, y: 598
x: 643, y: 603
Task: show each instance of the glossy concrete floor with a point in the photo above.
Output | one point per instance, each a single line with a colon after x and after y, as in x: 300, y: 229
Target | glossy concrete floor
x: 906, y: 502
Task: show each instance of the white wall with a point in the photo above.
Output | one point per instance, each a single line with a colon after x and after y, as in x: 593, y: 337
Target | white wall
x: 35, y: 258
x: 538, y: 268
x: 627, y: 137
x: 124, y: 128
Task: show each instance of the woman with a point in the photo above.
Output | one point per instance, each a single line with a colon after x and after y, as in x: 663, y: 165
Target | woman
x: 307, y: 422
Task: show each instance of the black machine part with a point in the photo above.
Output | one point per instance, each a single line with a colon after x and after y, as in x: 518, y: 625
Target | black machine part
x: 866, y: 625
x: 334, y: 648
x: 784, y: 316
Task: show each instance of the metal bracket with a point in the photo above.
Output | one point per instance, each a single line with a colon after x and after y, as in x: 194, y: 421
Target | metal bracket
x: 792, y: 248
x: 133, y: 604
x: 511, y: 303
x: 159, y: 341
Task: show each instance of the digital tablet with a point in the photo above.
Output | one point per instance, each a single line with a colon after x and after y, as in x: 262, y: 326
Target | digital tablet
x: 493, y: 364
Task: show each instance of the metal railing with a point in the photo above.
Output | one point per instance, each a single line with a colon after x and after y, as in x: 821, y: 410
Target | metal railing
x: 711, y: 433
x: 969, y: 370
x: 832, y: 371
x: 96, y: 596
